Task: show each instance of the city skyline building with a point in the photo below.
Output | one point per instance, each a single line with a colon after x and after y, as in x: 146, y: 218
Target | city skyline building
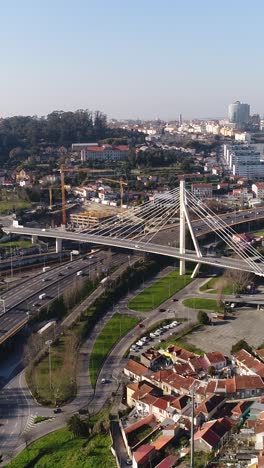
x: 239, y: 113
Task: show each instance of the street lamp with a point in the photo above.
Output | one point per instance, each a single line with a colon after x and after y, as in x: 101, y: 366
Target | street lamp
x: 49, y: 343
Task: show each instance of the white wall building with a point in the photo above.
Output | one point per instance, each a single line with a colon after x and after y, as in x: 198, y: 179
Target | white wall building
x: 244, y: 161
x: 258, y: 190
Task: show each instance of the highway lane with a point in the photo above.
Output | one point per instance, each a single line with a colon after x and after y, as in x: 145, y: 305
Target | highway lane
x: 25, y: 303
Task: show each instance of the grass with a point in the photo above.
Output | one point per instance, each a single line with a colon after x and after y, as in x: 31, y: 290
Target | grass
x: 63, y: 365
x: 60, y: 449
x: 211, y: 286
x: 114, y: 330
x: 8, y: 206
x: 39, y: 419
x: 19, y: 244
x: 159, y: 292
x: 179, y: 340
x: 198, y: 303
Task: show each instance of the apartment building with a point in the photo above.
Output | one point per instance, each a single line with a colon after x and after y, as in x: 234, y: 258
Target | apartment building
x: 104, y: 153
x: 202, y: 190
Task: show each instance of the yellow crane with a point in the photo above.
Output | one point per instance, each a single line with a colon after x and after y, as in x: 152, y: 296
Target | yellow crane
x: 121, y: 183
x: 50, y: 189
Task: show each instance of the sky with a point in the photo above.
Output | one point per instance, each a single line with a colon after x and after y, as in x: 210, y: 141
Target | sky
x: 131, y: 58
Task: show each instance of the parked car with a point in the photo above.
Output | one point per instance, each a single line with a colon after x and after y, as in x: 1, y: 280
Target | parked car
x: 57, y: 410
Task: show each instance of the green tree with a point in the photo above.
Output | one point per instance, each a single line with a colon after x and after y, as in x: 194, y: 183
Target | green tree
x: 241, y: 344
x: 78, y: 427
x: 203, y: 318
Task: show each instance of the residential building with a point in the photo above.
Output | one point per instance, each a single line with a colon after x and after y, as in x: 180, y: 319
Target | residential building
x: 212, y: 435
x: 202, y: 190
x: 258, y: 190
x: 135, y: 370
x: 248, y: 364
x: 104, y: 153
x: 239, y: 113
x: 243, y: 160
x: 216, y: 360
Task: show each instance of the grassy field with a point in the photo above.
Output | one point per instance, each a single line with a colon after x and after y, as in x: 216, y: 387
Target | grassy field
x: 8, y: 206
x: 198, y: 303
x: 60, y: 449
x: 116, y: 328
x: 212, y: 286
x: 19, y: 244
x: 63, y: 365
x: 159, y: 292
x: 179, y: 339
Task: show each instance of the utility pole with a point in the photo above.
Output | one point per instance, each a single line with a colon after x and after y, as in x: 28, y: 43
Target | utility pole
x: 192, y: 431
x: 48, y: 343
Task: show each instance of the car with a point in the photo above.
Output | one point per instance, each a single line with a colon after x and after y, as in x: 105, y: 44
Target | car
x: 45, y: 279
x: 141, y: 325
x: 57, y: 410
x: 68, y: 267
x: 83, y: 411
x: 60, y: 274
x: 175, y: 300
x: 129, y: 461
x: 103, y: 381
x: 137, y: 246
x: 162, y: 310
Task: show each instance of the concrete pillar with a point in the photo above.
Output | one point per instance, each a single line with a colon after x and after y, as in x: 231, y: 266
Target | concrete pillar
x: 34, y: 239
x: 58, y: 245
x: 182, y: 226
x: 196, y: 270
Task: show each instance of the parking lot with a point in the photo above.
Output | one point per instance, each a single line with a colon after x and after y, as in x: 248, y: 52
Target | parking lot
x: 247, y: 324
x: 155, y: 337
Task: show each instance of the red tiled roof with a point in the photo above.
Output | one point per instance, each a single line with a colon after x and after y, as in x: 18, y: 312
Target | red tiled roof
x: 162, y: 441
x: 168, y: 462
x: 248, y: 382
x: 215, y: 357
x: 163, y: 402
x: 135, y: 368
x: 143, y: 452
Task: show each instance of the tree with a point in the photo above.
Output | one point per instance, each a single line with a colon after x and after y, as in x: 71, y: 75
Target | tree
x: 203, y: 318
x: 211, y: 370
x: 77, y: 426
x: 239, y: 279
x: 241, y: 344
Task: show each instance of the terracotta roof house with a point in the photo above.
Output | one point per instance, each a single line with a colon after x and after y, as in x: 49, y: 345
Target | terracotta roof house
x: 143, y: 455
x: 135, y: 370
x: 206, y: 410
x: 212, y: 435
x: 216, y: 359
x: 248, y: 364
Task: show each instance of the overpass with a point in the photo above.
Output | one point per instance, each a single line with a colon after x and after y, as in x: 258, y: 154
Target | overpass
x: 137, y: 228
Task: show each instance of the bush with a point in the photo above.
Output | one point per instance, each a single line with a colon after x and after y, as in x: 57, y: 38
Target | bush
x: 241, y: 344
x: 203, y: 318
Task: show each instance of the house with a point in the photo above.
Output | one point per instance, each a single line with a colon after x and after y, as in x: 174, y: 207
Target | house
x: 178, y: 354
x: 150, y: 358
x: 135, y: 370
x: 258, y: 190
x: 216, y: 360
x: 202, y: 190
x: 143, y: 455
x: 206, y: 410
x: 212, y: 435
x: 138, y: 390
x: 239, y: 386
x: 240, y: 410
x: 168, y: 462
x: 248, y: 364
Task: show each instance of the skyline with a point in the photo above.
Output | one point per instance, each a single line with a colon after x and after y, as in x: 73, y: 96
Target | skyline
x: 134, y: 61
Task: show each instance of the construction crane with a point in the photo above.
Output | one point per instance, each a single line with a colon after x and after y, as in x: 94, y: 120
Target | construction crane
x: 50, y: 188
x: 121, y: 183
x: 63, y: 197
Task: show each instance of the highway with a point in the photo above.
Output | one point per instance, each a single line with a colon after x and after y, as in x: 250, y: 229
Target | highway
x: 22, y: 301
x: 138, y: 245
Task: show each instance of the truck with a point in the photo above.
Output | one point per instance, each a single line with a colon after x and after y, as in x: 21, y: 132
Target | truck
x: 79, y: 273
x: 45, y: 269
x: 104, y: 280
x: 42, y: 296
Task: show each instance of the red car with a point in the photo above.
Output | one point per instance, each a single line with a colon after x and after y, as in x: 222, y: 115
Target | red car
x: 141, y: 325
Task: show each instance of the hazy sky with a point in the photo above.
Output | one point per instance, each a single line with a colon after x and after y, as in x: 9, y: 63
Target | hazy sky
x: 131, y: 58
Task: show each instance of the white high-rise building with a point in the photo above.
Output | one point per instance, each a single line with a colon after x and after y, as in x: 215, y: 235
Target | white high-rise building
x: 239, y: 113
x: 244, y: 161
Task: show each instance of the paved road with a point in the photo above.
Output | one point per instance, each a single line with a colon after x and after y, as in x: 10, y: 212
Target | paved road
x: 24, y: 298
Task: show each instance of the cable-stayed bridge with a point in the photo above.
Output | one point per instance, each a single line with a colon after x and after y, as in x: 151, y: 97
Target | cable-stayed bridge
x: 137, y: 228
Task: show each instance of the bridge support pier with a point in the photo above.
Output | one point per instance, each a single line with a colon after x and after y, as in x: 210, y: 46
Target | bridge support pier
x: 58, y: 245
x: 196, y: 270
x: 34, y: 239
